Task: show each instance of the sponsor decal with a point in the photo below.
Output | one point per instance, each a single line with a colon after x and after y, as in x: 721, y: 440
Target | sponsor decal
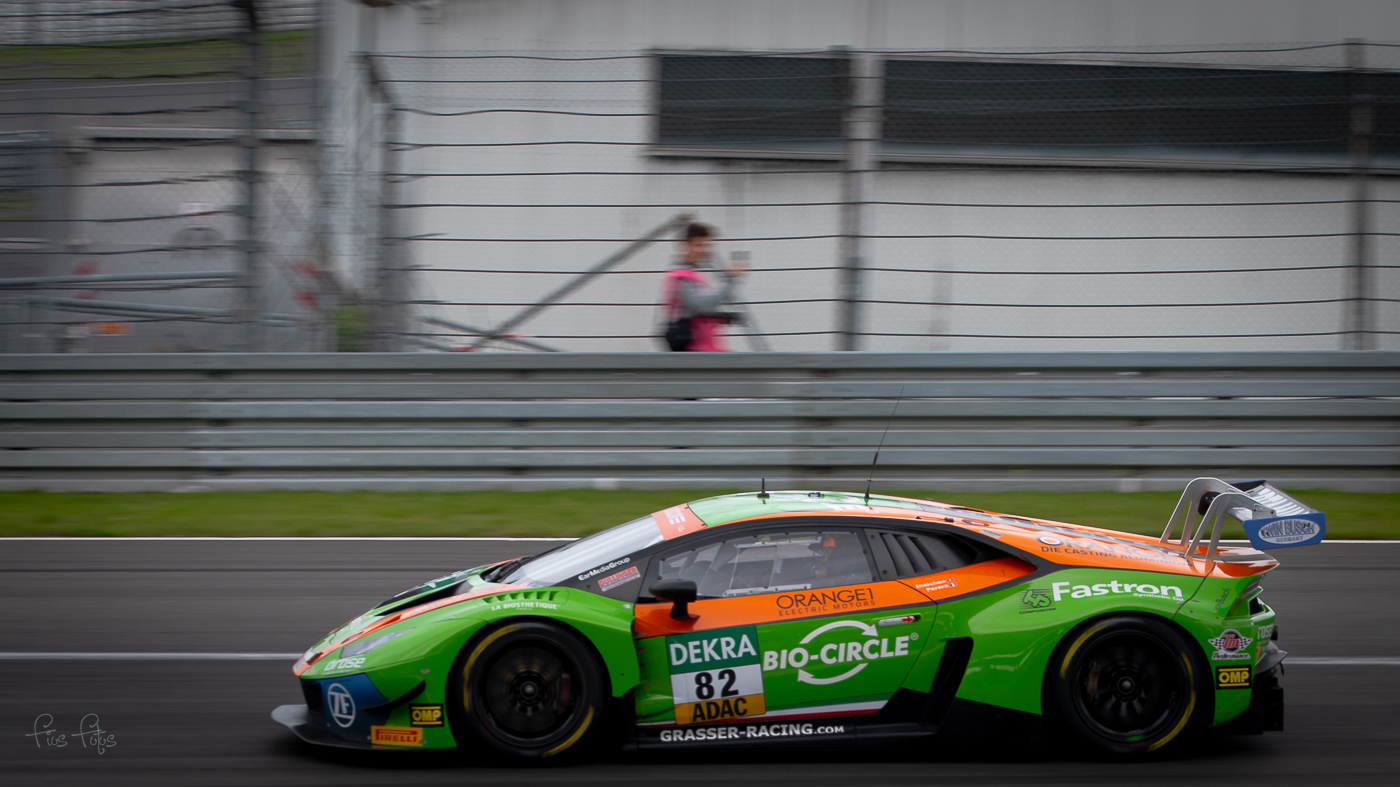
x: 1037, y: 600
x: 820, y: 602
x: 1224, y: 597
x: 1088, y: 547
x: 1288, y: 531
x: 715, y: 675
x: 1230, y: 646
x: 677, y: 521
x: 1266, y: 633
x: 524, y: 605
x: 600, y: 569
x: 396, y: 736
x: 854, y: 656
x: 620, y: 578
x: 425, y: 715
x: 1138, y: 590
x: 735, y: 732
x: 934, y: 585
x: 1232, y: 677
x: 340, y: 705
x: 338, y: 665
x: 1296, y: 529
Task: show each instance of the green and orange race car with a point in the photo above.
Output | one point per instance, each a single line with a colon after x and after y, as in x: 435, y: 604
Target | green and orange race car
x: 825, y: 619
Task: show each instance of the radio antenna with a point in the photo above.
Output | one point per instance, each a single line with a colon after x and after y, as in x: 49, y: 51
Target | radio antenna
x: 876, y: 460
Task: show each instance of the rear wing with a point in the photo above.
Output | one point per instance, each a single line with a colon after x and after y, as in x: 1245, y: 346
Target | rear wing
x: 1271, y: 518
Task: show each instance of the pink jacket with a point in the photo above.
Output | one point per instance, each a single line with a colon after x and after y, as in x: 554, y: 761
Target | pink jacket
x: 705, y: 333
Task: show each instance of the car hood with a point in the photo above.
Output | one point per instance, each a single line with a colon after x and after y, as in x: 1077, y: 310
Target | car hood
x: 448, y: 589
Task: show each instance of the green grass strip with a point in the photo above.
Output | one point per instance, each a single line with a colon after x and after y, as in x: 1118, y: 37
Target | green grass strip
x: 558, y: 513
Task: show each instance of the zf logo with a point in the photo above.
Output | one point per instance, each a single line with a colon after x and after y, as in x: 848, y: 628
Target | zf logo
x: 340, y: 705
x: 1037, y: 599
x: 1232, y: 677
x: 426, y: 715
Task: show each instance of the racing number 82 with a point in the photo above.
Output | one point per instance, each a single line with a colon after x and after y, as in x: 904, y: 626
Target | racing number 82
x: 705, y: 684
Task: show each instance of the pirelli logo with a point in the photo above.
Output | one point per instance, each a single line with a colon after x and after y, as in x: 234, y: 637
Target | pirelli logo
x: 1232, y: 677
x: 395, y: 736
x: 425, y: 715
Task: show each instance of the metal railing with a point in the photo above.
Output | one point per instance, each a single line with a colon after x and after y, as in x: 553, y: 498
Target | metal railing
x: 1125, y: 421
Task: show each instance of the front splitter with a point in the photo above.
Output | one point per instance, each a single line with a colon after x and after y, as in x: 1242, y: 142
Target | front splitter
x: 297, y: 718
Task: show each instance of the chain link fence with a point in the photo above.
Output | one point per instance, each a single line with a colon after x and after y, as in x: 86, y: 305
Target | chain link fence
x: 990, y: 200
x: 159, y: 177
x: 172, y: 178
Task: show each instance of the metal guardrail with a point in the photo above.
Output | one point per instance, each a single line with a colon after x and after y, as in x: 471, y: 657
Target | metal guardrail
x: 503, y: 420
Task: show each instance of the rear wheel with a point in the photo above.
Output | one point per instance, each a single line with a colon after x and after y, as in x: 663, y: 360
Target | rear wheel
x: 1128, y: 685
x: 529, y: 690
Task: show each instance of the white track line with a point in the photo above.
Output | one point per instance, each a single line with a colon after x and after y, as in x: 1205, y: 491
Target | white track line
x: 1343, y: 661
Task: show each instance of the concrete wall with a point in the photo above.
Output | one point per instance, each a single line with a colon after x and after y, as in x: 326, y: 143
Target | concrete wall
x: 1139, y: 31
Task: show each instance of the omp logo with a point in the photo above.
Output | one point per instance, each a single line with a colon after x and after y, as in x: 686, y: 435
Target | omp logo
x: 340, y: 705
x: 1232, y: 677
x: 860, y: 652
x: 1036, y: 598
x: 425, y: 715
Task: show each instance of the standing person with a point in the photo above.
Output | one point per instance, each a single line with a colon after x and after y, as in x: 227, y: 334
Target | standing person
x: 694, y: 317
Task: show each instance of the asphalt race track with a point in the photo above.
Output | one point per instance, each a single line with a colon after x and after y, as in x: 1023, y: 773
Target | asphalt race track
x: 197, y: 722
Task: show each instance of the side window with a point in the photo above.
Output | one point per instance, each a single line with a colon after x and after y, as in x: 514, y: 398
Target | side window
x: 771, y: 562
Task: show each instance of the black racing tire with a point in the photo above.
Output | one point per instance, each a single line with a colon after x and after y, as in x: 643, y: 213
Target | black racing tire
x: 1127, y: 686
x: 528, y: 690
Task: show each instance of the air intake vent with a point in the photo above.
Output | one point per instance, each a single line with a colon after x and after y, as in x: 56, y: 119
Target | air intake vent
x: 311, y: 692
x: 916, y: 554
x: 545, y: 594
x: 443, y: 592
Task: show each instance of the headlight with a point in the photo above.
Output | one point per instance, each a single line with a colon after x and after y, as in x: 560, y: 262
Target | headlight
x: 366, y: 645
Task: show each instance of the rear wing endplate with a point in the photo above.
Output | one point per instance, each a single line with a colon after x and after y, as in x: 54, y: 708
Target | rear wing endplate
x: 1272, y: 519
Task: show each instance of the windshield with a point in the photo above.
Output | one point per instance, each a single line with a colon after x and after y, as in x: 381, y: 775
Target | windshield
x: 583, y: 556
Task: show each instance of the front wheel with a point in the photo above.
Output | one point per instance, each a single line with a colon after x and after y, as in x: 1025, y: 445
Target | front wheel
x: 1127, y: 685
x: 528, y: 690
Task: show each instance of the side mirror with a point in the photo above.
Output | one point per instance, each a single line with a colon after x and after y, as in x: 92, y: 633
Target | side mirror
x: 680, y: 592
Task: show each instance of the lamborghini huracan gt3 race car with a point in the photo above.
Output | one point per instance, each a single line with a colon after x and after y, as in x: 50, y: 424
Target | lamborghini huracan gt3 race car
x: 825, y: 619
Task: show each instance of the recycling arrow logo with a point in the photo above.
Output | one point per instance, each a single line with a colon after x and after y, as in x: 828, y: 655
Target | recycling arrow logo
x: 803, y: 676
x: 851, y: 656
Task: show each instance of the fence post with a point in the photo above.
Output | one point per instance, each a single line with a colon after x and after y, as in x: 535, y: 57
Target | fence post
x: 390, y: 300
x: 34, y: 336
x: 250, y: 310
x: 387, y: 322
x: 1358, y: 327
x: 862, y: 129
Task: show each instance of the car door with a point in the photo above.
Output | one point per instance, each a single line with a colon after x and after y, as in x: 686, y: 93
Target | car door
x: 791, y: 621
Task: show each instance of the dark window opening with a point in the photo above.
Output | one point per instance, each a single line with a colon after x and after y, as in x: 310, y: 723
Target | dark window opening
x: 751, y: 102
x: 1094, y: 110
